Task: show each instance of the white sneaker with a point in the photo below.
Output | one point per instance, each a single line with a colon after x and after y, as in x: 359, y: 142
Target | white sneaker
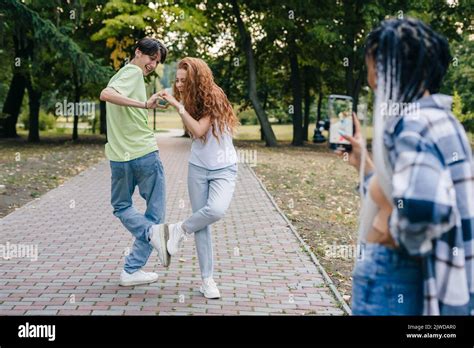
x: 158, y: 237
x: 209, y: 288
x: 137, y: 278
x: 177, y: 236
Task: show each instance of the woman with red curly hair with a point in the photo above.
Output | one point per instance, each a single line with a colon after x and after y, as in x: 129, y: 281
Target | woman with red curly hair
x: 210, y: 120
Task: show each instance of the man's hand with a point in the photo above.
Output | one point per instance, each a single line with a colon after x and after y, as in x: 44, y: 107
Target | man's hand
x: 152, y: 103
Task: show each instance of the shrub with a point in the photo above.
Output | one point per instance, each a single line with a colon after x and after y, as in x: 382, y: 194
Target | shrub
x: 46, y: 121
x: 467, y: 119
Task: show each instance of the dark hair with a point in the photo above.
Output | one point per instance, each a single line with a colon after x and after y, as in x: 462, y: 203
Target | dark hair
x: 410, y: 54
x: 151, y: 46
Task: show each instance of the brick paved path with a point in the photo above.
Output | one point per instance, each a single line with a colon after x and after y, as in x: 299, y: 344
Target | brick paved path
x: 261, y: 267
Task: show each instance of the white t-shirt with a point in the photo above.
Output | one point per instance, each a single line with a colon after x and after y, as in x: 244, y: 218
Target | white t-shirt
x: 213, y: 154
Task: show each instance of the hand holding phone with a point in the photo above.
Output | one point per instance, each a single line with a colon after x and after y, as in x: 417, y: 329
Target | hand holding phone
x: 357, y: 147
x: 340, y: 122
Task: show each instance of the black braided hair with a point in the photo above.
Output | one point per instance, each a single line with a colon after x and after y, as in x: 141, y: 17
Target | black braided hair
x: 417, y: 56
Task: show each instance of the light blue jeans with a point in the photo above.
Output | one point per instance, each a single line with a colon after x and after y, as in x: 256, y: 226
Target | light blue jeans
x: 210, y: 192
x: 386, y: 281
x: 147, y: 173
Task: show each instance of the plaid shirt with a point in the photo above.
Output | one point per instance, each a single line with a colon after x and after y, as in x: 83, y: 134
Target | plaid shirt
x: 433, y: 197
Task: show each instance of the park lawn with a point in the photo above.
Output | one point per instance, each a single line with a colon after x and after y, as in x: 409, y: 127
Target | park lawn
x: 30, y: 170
x: 283, y: 132
x: 316, y: 191
x: 170, y: 119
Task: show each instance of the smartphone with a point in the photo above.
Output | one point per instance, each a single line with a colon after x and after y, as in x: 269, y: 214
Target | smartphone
x: 340, y: 121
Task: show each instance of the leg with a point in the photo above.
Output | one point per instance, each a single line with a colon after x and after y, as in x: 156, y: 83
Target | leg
x: 220, y: 192
x: 149, y: 175
x: 210, y: 197
x: 386, y: 282
x: 198, y: 189
x: 123, y: 186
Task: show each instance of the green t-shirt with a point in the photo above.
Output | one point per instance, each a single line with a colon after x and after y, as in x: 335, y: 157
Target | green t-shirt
x: 128, y: 134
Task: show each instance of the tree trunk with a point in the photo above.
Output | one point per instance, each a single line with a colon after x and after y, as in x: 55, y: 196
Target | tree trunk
x: 103, y: 118
x: 18, y: 84
x: 228, y: 81
x: 295, y: 82
x: 357, y: 87
x: 265, y: 100
x: 12, y: 105
x: 270, y: 139
x: 34, y: 97
x: 307, y: 105
x: 320, y: 103
x: 352, y: 15
x: 77, y: 99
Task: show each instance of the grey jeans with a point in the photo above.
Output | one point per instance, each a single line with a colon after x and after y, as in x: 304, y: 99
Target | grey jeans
x: 210, y: 192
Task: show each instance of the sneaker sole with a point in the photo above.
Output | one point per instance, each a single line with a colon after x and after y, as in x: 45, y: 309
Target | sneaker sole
x: 166, y: 237
x: 168, y: 243
x: 137, y: 282
x: 211, y: 298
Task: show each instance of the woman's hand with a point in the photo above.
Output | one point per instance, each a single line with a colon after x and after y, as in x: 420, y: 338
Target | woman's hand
x: 164, y: 95
x: 380, y: 232
x: 197, y: 128
x: 355, y: 155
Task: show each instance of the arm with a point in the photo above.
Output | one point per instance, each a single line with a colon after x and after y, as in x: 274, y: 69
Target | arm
x: 198, y: 128
x: 110, y: 95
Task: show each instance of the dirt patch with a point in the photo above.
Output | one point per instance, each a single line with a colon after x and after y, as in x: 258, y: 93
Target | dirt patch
x: 317, y: 192
x: 29, y: 170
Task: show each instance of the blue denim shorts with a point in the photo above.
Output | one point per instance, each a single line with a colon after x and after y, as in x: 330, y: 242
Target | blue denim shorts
x: 387, y: 281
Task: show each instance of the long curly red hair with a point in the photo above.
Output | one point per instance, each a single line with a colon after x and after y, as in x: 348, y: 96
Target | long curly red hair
x: 202, y: 97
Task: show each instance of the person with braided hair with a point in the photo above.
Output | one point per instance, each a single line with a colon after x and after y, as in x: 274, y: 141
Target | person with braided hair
x: 417, y: 217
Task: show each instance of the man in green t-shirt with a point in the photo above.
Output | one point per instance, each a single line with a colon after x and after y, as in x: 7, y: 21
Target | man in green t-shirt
x: 134, y: 160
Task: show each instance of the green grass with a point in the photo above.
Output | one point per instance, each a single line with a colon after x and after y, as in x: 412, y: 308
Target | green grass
x: 169, y: 119
x: 55, y: 133
x: 283, y: 132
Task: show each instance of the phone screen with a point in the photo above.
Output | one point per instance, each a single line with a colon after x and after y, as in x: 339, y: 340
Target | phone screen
x: 340, y: 119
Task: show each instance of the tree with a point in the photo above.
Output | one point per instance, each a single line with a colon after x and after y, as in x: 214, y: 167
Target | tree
x: 246, y: 43
x: 39, y: 35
